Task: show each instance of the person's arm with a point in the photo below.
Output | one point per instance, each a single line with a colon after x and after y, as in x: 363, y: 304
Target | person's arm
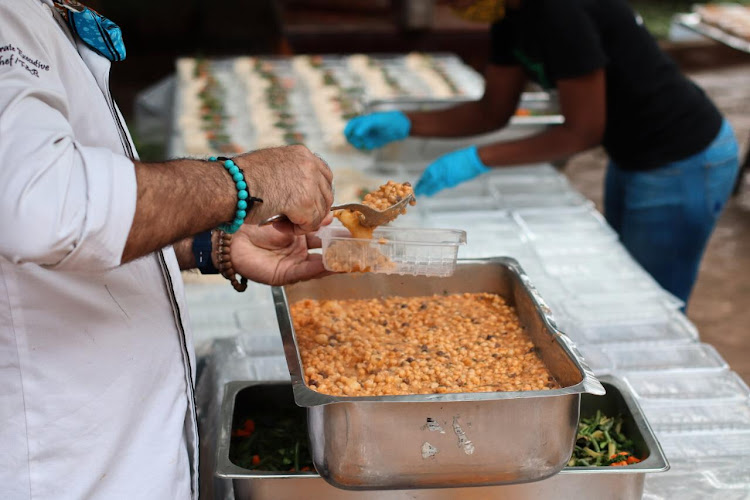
x: 502, y: 90
x: 183, y: 251
x: 583, y: 104
x: 503, y: 87
x: 180, y: 198
x: 72, y: 206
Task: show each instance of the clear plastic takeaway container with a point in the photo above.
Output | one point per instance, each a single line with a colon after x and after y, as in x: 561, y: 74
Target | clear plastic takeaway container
x: 714, y: 478
x: 701, y: 445
x: 699, y: 417
x: 566, y: 226
x: 665, y: 357
x: 530, y: 184
x: 581, y: 285
x: 489, y: 233
x: 392, y: 250
x: 469, y: 196
x: 676, y: 328
x: 687, y: 388
x: 592, y: 312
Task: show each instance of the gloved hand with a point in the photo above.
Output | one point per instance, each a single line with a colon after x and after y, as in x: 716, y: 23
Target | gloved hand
x: 450, y: 170
x: 377, y: 129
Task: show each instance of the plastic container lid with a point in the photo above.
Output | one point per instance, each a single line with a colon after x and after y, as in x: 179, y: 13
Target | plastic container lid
x: 687, y: 388
x: 517, y: 201
x: 392, y: 250
x: 590, y: 312
x: 469, y: 196
x: 564, y: 223
x: 690, y: 446
x: 666, y: 418
x: 665, y: 357
x: 677, y: 329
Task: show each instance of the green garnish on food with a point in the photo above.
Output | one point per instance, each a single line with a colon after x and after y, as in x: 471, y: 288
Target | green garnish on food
x: 272, y: 444
x: 601, y: 442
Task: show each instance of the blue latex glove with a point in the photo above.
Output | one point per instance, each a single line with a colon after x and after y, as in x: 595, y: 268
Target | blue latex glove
x: 375, y: 130
x: 450, y: 170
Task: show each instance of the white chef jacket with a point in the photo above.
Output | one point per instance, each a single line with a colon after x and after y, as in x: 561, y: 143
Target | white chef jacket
x: 96, y: 358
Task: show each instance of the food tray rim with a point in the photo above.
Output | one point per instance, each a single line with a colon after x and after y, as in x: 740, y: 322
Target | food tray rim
x: 328, y: 233
x: 306, y: 397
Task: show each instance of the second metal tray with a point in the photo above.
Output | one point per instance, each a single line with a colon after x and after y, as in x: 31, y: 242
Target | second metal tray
x: 572, y: 483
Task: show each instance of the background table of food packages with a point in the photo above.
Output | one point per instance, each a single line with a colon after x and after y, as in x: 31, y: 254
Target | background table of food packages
x: 727, y: 23
x: 623, y: 322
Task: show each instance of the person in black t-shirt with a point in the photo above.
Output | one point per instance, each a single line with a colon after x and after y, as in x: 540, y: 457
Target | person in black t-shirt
x: 673, y: 158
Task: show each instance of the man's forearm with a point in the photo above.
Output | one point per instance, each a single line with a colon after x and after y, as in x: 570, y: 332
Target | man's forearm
x: 177, y: 199
x: 471, y: 118
x: 554, y: 144
x: 183, y: 250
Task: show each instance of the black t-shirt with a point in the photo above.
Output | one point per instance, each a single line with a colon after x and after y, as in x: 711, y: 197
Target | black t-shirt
x: 655, y: 115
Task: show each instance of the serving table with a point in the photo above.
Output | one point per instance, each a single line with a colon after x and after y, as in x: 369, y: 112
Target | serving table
x: 624, y: 324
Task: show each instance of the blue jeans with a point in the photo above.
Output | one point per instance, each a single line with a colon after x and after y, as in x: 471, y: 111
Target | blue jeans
x: 665, y: 216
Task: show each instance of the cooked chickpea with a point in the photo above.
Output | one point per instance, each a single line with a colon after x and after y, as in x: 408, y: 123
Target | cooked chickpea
x: 389, y: 194
x: 416, y: 345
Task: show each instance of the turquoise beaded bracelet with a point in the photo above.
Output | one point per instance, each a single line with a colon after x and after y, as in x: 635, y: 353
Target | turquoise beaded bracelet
x: 244, y: 200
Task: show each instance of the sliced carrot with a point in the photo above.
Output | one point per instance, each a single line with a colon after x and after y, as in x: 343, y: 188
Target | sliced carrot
x: 633, y: 460
x: 619, y: 464
x: 256, y: 459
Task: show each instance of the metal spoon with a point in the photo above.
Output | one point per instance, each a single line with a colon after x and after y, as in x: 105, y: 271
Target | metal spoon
x: 370, y: 217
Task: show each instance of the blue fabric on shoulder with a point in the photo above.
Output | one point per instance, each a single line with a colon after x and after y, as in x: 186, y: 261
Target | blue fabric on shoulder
x: 96, y: 31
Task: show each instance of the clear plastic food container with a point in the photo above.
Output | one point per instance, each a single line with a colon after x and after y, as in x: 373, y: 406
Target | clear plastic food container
x: 687, y: 388
x: 676, y: 329
x: 470, y: 196
x: 640, y: 285
x: 392, y: 250
x: 663, y: 357
x: 541, y: 200
x: 688, y: 482
x: 664, y: 418
x: 597, y: 359
x: 530, y: 184
x: 591, y: 312
x: 566, y: 224
x: 613, y: 266
x: 692, y: 446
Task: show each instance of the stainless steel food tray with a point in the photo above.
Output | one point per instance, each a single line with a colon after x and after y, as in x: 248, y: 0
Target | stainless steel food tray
x: 532, y: 100
x: 572, y: 483
x: 390, y: 442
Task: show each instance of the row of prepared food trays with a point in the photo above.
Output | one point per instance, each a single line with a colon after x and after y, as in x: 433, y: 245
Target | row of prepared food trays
x: 266, y: 101
x: 243, y: 103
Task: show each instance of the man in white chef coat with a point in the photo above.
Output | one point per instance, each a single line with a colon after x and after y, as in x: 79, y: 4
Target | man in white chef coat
x: 96, y: 357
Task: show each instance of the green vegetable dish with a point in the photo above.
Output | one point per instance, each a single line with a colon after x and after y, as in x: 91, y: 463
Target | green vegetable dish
x: 600, y: 442
x: 272, y: 443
